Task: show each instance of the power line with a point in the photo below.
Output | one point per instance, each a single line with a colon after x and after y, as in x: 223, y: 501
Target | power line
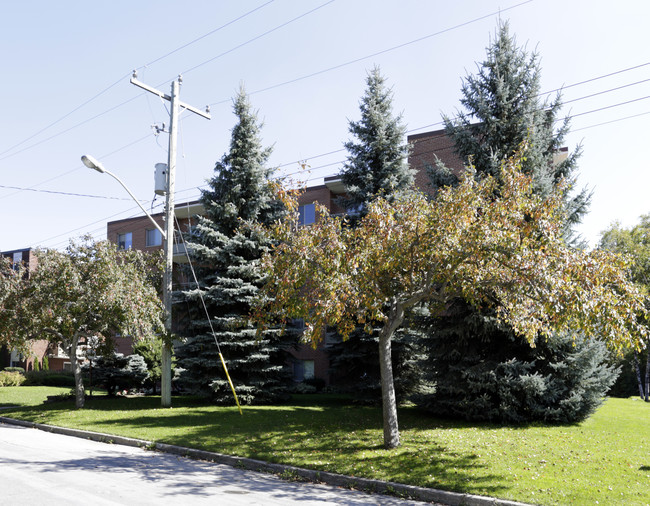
x: 62, y: 193
x: 207, y: 34
x: 605, y: 91
x: 612, y: 121
x: 127, y: 75
x: 610, y: 106
x: 596, y: 78
x: 71, y: 128
x: 256, y: 38
x: 104, y: 220
x: 79, y: 167
x: 399, y: 46
x: 233, y: 49
x: 440, y: 123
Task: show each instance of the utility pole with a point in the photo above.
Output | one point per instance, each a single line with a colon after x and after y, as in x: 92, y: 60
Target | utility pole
x: 175, y: 105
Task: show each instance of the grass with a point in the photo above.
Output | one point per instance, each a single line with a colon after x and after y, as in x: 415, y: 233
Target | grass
x: 28, y: 396
x: 605, y: 459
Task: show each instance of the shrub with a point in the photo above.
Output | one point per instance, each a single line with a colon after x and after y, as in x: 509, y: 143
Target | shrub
x: 11, y: 378
x: 50, y: 378
x: 116, y: 372
x: 15, y: 369
x: 354, y: 365
x: 317, y: 383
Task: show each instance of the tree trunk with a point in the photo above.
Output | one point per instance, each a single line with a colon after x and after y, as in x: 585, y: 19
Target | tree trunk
x: 637, y: 368
x: 389, y: 402
x: 80, y: 396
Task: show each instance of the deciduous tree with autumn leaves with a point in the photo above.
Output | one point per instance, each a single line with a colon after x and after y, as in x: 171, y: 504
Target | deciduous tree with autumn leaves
x: 90, y: 290
x: 492, y: 242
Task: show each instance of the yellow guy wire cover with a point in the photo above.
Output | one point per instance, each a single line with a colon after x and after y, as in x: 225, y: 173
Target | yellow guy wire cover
x: 223, y: 362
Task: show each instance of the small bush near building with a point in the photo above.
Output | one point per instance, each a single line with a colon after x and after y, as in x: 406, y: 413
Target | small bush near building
x: 117, y: 372
x: 14, y: 369
x: 11, y: 378
x: 50, y: 378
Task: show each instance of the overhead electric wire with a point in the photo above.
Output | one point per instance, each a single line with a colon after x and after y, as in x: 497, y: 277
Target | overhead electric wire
x: 612, y: 121
x: 63, y: 193
x: 231, y: 50
x: 104, y: 220
x: 63, y: 117
x: 399, y: 46
x: 440, y: 123
x: 79, y: 167
x: 258, y: 37
x: 604, y: 91
x: 208, y: 34
x: 97, y: 95
x: 596, y: 78
x: 54, y: 136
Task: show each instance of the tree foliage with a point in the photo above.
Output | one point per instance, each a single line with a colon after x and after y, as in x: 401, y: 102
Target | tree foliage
x: 491, y: 248
x: 90, y: 290
x: 376, y: 163
x: 376, y: 166
x: 502, y: 107
x: 117, y: 372
x: 635, y: 243
x: 226, y: 255
x: 483, y: 372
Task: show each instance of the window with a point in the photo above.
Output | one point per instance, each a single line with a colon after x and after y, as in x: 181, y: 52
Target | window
x: 17, y: 260
x: 303, y: 370
x: 125, y: 241
x: 154, y: 237
x: 307, y: 214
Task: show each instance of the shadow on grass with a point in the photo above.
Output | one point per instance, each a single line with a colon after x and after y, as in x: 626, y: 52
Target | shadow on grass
x: 320, y: 433
x: 326, y: 434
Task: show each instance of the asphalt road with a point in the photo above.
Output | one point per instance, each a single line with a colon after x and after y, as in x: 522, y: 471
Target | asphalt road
x: 38, y: 467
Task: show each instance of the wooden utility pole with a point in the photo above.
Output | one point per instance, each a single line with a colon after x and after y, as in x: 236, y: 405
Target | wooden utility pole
x: 175, y: 105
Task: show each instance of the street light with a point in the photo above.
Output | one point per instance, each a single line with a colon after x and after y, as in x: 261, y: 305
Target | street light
x: 92, y: 163
x: 166, y: 366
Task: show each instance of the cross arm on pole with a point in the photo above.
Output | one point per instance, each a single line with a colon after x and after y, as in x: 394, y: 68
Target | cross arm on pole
x: 164, y: 96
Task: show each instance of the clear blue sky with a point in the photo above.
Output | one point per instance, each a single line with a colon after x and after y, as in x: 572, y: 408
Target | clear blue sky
x: 66, y: 92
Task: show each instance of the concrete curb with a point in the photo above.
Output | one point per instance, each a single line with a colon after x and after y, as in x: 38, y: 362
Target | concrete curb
x: 337, y: 480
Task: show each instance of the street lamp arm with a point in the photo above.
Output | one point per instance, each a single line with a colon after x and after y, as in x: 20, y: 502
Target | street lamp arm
x: 91, y: 163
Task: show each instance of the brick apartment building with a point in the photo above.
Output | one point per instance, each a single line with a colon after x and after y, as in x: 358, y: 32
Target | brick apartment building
x: 139, y: 232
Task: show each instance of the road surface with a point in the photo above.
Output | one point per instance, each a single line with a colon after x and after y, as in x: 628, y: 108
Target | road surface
x: 38, y: 467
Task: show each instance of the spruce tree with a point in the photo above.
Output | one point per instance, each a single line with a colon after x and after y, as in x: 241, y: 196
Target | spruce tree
x: 376, y: 165
x: 503, y: 109
x: 474, y: 365
x: 377, y: 159
x: 484, y: 372
x: 226, y: 257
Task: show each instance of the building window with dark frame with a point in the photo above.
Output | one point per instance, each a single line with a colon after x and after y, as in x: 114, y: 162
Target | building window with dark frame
x: 307, y: 214
x: 125, y: 241
x: 303, y: 370
x: 153, y: 237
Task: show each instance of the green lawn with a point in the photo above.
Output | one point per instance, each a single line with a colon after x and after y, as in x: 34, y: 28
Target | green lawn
x: 605, y: 459
x: 28, y: 396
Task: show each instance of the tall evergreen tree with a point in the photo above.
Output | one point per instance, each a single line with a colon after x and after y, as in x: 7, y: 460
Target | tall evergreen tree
x: 376, y: 165
x: 471, y: 360
x: 226, y: 257
x: 503, y: 108
x: 377, y: 159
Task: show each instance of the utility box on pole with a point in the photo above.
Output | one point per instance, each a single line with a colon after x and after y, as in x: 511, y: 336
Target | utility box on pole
x: 160, y: 179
